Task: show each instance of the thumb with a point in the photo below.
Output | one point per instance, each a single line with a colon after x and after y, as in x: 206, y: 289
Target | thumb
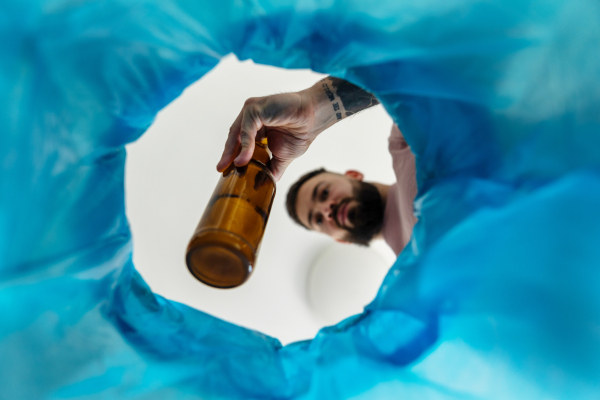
x: 249, y: 128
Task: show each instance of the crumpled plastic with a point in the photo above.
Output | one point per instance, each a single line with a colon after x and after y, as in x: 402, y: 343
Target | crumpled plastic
x: 496, y: 296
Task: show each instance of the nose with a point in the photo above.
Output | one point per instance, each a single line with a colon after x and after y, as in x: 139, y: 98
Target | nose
x: 327, y: 208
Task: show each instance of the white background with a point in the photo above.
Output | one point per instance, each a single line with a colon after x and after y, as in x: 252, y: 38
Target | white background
x: 303, y: 280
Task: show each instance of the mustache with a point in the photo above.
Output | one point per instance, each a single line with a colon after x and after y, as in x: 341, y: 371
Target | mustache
x: 336, y: 208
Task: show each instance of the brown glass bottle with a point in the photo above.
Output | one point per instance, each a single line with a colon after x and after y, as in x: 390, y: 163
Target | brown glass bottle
x: 222, y: 253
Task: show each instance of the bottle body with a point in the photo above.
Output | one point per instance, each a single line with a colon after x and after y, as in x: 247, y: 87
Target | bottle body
x: 222, y: 252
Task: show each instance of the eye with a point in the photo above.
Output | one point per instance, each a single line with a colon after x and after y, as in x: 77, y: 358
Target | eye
x: 324, y: 194
x: 319, y: 219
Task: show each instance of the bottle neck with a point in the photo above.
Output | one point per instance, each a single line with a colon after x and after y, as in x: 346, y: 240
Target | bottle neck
x: 261, y: 152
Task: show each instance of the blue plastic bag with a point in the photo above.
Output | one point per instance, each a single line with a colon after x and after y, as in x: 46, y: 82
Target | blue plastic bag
x: 496, y: 296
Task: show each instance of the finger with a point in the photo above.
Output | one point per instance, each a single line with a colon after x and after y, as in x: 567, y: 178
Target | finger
x: 232, y: 144
x: 231, y: 150
x: 261, y: 134
x: 251, y: 123
x: 278, y: 167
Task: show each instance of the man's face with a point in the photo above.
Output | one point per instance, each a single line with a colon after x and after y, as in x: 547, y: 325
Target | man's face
x: 341, y: 206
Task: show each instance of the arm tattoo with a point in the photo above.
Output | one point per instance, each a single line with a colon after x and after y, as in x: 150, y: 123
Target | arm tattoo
x: 353, y: 98
x: 328, y: 92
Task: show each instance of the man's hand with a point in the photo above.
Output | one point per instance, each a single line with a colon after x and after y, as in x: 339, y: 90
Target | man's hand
x: 291, y: 121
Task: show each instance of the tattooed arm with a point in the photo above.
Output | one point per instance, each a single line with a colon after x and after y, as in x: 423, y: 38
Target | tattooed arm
x: 346, y: 98
x: 291, y: 121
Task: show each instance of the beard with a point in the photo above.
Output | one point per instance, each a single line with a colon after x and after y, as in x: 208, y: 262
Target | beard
x: 366, y: 217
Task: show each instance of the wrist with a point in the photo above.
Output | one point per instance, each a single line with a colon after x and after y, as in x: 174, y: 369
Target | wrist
x: 319, y: 97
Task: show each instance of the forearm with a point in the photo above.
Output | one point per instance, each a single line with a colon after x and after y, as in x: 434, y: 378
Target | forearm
x: 335, y: 99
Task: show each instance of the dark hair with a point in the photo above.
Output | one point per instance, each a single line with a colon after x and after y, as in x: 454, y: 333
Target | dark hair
x: 292, y: 195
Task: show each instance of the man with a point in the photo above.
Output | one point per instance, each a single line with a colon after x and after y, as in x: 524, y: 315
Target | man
x: 341, y: 206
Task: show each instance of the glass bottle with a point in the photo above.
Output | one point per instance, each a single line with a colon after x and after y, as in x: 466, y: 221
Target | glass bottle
x: 222, y: 252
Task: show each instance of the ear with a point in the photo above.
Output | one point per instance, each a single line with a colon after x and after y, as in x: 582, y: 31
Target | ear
x: 354, y: 175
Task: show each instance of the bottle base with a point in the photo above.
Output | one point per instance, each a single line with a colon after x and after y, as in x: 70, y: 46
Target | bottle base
x: 216, y: 258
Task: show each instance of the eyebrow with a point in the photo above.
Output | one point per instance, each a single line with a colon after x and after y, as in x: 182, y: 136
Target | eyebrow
x: 314, y: 197
x: 315, y: 190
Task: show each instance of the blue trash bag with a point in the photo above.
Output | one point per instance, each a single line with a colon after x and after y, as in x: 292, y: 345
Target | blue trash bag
x: 495, y: 297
